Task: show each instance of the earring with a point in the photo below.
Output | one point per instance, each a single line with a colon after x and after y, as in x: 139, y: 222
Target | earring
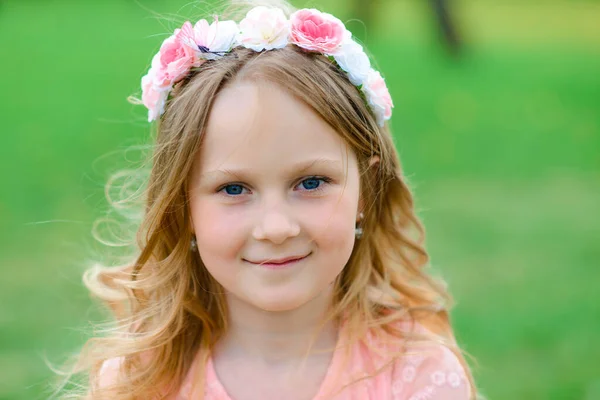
x: 358, y: 231
x: 193, y: 244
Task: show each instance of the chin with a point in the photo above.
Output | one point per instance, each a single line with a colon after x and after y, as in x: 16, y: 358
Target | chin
x: 280, y: 305
x: 280, y: 302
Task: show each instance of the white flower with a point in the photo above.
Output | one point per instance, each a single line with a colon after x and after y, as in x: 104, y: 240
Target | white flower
x: 438, y: 378
x: 352, y: 59
x: 212, y: 40
x: 378, y: 96
x: 397, y: 388
x: 409, y: 373
x: 264, y: 28
x: 453, y: 379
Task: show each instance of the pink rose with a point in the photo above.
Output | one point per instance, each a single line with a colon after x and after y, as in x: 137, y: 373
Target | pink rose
x: 159, y: 75
x: 153, y: 99
x: 175, y: 60
x: 378, y: 96
x: 317, y: 31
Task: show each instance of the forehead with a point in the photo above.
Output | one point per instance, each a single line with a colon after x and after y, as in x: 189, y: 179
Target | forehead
x: 261, y: 125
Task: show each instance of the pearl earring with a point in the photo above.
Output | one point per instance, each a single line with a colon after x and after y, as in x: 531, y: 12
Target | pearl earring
x: 193, y: 244
x: 358, y: 231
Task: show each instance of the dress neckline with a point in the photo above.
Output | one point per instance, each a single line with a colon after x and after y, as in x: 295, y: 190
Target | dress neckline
x: 216, y: 387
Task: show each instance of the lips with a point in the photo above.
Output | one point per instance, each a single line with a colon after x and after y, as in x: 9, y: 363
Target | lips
x: 279, y: 261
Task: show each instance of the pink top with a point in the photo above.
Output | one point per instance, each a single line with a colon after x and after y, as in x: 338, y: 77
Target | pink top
x: 432, y: 373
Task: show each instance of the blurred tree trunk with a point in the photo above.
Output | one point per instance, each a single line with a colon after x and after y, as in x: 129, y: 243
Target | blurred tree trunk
x: 446, y: 24
x: 366, y: 10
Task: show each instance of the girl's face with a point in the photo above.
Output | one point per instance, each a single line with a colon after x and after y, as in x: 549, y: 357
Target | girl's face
x: 273, y: 182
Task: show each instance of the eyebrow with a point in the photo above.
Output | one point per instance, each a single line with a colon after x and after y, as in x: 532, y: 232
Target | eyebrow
x: 299, y: 168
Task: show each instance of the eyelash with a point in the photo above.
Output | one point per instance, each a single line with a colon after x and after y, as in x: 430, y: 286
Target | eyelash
x: 323, y: 179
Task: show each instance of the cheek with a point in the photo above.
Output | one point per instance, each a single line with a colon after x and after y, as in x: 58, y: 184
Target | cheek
x: 332, y: 226
x: 219, y: 233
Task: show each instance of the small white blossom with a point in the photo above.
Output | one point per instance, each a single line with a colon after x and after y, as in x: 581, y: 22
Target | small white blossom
x: 453, y: 379
x: 409, y: 373
x: 438, y: 378
x: 378, y: 97
x: 352, y: 58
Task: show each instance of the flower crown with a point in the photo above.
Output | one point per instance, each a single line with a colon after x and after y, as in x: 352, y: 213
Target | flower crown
x: 263, y: 29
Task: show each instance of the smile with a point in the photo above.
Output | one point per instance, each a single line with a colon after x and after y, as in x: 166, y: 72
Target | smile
x: 280, y: 263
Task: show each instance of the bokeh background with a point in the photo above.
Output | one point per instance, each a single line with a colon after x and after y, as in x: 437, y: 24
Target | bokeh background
x: 497, y: 121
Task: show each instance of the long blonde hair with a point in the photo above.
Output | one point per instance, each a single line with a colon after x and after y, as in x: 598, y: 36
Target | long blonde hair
x: 167, y: 307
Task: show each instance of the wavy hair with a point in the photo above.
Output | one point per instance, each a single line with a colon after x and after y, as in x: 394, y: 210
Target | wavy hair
x: 166, y: 305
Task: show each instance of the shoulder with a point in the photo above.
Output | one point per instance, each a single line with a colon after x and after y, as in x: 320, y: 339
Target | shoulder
x: 415, y: 369
x: 111, y: 369
x: 430, y: 371
x: 109, y: 372
x: 435, y: 374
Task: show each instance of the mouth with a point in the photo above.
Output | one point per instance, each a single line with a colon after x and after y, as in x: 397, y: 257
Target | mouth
x: 279, y: 263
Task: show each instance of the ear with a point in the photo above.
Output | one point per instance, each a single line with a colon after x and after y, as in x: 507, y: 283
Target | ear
x: 374, y: 161
x: 373, y: 164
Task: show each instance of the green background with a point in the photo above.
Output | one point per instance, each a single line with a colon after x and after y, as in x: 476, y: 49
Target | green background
x: 501, y: 145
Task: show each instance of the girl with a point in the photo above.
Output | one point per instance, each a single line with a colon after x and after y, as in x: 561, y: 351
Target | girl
x: 280, y: 254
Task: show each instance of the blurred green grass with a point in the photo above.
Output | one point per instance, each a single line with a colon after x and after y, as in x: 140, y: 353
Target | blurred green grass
x: 502, y: 148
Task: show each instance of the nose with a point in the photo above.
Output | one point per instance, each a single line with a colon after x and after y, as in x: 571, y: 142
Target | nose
x: 276, y: 226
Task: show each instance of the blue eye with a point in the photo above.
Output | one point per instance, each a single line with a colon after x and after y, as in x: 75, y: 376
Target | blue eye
x: 233, y: 190
x: 311, y: 183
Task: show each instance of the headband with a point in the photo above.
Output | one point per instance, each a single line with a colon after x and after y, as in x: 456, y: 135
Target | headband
x: 263, y: 29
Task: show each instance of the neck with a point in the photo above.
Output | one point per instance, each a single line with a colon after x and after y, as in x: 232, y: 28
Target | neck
x: 278, y: 337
